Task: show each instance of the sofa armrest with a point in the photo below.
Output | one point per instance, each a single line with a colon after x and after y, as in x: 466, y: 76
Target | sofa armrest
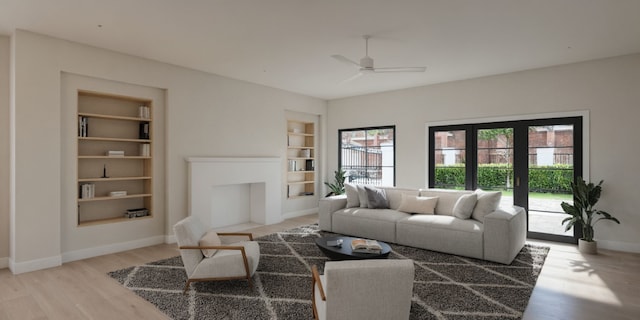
x: 327, y: 207
x: 505, y: 232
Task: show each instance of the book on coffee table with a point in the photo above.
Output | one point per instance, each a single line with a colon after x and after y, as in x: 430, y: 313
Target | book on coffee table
x: 365, y: 246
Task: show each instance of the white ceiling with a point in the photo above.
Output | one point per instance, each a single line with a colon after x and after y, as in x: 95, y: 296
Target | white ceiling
x: 287, y: 43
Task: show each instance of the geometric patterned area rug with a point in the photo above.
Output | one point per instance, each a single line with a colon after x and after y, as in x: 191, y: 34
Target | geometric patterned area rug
x: 445, y: 286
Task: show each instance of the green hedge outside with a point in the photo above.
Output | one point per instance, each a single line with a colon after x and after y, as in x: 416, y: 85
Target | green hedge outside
x: 554, y: 179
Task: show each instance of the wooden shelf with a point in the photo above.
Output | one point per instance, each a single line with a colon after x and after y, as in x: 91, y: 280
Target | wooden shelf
x: 300, y: 196
x: 301, y: 134
x: 300, y: 171
x: 300, y: 147
x: 110, y: 220
x: 129, y: 196
x: 300, y: 158
x: 114, y: 139
x: 111, y: 117
x: 112, y: 157
x: 113, y: 179
x: 301, y: 182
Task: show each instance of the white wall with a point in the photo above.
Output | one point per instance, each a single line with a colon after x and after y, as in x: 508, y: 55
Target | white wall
x: 4, y: 150
x: 207, y: 115
x: 609, y: 89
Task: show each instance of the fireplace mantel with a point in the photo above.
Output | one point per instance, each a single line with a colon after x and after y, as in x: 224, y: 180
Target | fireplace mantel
x: 262, y: 174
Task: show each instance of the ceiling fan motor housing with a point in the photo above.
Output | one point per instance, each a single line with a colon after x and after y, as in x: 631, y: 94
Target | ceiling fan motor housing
x: 366, y: 63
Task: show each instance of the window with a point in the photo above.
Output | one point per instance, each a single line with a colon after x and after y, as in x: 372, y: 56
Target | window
x: 367, y: 155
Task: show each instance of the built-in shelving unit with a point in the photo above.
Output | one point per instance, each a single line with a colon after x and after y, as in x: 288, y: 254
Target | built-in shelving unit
x: 115, y: 163
x: 301, y: 164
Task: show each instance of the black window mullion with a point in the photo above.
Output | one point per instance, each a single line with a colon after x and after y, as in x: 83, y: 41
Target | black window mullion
x: 471, y: 166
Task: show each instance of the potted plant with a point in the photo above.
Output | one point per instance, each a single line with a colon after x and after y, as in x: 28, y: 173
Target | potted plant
x: 584, y: 213
x: 336, y: 188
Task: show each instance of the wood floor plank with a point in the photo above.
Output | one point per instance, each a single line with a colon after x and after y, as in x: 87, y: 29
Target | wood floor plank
x: 571, y: 285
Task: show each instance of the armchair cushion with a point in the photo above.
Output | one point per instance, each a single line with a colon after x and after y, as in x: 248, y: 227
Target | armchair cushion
x: 365, y: 289
x: 228, y: 263
x: 209, y: 239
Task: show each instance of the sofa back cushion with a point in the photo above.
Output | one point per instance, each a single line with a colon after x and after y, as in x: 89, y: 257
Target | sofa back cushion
x: 488, y: 201
x: 418, y: 205
x: 446, y: 199
x: 376, y: 197
x: 351, y: 190
x: 394, y: 195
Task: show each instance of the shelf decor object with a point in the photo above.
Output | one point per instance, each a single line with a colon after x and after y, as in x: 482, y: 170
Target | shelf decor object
x: 120, y: 140
x: 301, y: 152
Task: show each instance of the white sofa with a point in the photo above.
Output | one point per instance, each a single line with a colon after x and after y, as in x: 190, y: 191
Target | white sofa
x: 465, y: 223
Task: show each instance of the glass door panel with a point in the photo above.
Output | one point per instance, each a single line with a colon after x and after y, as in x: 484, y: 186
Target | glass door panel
x: 495, y: 162
x: 450, y: 159
x: 551, y: 171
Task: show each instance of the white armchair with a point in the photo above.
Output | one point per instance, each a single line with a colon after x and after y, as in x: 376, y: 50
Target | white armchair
x: 363, y: 289
x: 230, y: 261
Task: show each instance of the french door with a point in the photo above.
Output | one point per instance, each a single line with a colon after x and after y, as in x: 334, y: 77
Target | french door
x: 532, y: 162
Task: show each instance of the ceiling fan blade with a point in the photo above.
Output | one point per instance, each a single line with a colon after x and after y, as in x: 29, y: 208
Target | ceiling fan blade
x: 355, y: 76
x: 400, y: 69
x: 345, y: 60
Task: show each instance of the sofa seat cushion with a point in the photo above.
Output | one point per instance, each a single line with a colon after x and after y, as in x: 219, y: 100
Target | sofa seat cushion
x: 442, y: 233
x: 379, y: 224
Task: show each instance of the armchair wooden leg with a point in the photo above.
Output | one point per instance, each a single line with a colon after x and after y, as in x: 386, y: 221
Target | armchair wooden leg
x: 186, y: 287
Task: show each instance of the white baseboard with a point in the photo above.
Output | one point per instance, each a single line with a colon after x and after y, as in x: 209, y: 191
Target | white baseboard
x: 4, y: 262
x: 111, y: 248
x: 34, y: 265
x: 619, y: 246
x: 170, y: 239
x: 300, y: 213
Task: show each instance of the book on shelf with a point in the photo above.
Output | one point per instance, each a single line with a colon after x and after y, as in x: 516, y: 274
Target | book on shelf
x: 115, y: 153
x: 365, y: 246
x: 144, y: 130
x: 310, y: 165
x: 145, y: 150
x: 136, y: 213
x: 87, y: 191
x: 83, y: 126
x: 144, y: 112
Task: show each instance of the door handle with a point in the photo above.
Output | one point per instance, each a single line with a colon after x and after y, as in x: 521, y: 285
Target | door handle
x: 517, y: 181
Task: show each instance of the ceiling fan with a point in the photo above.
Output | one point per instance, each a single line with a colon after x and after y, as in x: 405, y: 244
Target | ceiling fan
x: 366, y: 64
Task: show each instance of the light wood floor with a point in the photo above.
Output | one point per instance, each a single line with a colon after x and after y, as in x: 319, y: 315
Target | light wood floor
x: 571, y: 286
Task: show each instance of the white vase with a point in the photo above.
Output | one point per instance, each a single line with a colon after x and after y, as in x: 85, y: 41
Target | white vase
x: 587, y: 247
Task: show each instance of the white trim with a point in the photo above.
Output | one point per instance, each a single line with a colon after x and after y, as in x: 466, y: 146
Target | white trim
x: 619, y: 246
x: 300, y: 213
x: 580, y: 113
x: 169, y: 239
x: 34, y: 265
x: 111, y: 248
x: 4, y: 262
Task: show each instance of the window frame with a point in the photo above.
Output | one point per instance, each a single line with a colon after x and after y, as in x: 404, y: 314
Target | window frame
x: 386, y: 127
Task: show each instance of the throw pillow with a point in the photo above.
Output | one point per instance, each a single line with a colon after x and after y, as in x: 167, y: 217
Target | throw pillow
x: 416, y: 204
x: 362, y: 197
x: 377, y: 199
x: 353, y: 199
x: 464, y: 206
x: 488, y: 201
x: 210, y: 238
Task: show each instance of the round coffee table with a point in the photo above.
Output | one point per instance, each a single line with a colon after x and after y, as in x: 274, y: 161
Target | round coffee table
x: 344, y: 252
